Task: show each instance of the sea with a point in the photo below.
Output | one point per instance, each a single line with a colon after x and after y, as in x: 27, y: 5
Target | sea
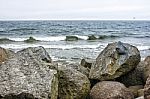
x: 52, y: 35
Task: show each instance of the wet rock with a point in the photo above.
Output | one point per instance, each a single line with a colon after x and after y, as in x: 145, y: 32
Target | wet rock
x: 72, y: 84
x: 5, y: 54
x: 71, y: 38
x: 115, y: 60
x: 133, y: 77
x: 30, y: 40
x: 92, y: 37
x: 25, y: 75
x: 134, y: 89
x: 110, y: 90
x: 146, y: 68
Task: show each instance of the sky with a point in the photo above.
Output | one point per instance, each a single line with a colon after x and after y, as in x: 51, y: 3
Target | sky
x: 74, y: 9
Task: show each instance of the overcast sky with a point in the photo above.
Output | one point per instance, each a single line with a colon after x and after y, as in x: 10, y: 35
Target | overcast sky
x: 74, y: 9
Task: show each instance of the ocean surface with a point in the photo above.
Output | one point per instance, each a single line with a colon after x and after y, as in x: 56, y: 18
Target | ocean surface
x: 52, y: 34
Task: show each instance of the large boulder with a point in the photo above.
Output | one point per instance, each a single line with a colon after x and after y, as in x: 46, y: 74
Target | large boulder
x: 5, y: 54
x: 146, y: 68
x: 72, y: 84
x: 133, y: 77
x: 25, y: 76
x: 38, y: 53
x: 110, y: 90
x: 115, y: 60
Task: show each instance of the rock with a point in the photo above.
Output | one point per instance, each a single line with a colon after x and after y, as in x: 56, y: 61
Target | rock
x: 30, y: 40
x: 140, y: 92
x: 92, y: 37
x: 37, y: 52
x: 147, y: 89
x: 102, y: 37
x: 5, y: 54
x: 72, y: 66
x: 133, y: 77
x: 26, y: 77
x: 115, y: 60
x: 71, y: 38
x: 87, y: 63
x: 79, y: 68
x: 84, y: 70
x: 134, y: 89
x: 110, y: 90
x: 146, y: 68
x: 72, y: 84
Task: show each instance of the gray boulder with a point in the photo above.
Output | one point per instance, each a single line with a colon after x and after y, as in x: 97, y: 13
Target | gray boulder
x: 25, y: 76
x: 115, y: 60
x: 38, y: 53
x: 72, y: 84
x: 110, y: 90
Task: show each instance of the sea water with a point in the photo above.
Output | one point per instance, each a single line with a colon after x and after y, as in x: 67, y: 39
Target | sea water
x: 52, y: 35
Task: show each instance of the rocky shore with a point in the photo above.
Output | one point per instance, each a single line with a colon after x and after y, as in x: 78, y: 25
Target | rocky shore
x: 116, y: 73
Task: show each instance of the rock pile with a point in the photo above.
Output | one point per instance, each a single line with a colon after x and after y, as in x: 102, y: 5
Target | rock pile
x: 117, y: 73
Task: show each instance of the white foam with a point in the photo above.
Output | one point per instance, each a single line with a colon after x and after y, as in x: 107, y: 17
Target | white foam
x: 48, y: 38
x: 18, y: 39
x: 51, y: 38
x: 20, y: 46
x: 82, y: 37
x: 143, y: 47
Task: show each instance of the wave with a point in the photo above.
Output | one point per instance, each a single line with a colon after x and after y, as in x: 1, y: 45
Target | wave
x: 63, y: 47
x: 146, y: 36
x: 48, y: 38
x: 141, y: 48
x: 5, y: 40
x: 56, y: 38
x: 22, y: 29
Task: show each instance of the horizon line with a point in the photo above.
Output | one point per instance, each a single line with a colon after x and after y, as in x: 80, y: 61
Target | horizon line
x: 74, y: 19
